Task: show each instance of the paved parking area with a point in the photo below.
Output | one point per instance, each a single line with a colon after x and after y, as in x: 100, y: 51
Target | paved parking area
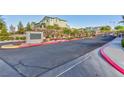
x: 35, y: 61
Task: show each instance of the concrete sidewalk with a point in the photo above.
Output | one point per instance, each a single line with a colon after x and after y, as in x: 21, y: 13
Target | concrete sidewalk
x: 115, y: 53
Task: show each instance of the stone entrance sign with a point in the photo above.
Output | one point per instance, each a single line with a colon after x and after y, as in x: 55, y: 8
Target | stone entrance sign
x: 34, y: 37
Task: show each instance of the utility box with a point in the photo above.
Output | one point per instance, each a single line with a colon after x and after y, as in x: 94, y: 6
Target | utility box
x: 34, y: 37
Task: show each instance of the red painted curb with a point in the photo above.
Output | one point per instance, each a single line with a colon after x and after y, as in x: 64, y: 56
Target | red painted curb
x: 47, y: 43
x: 110, y: 61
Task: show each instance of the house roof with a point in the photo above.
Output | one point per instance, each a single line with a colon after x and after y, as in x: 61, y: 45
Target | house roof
x: 47, y: 17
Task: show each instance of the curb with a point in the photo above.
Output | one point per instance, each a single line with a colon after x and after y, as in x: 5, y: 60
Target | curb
x: 47, y: 43
x: 39, y: 44
x: 110, y: 61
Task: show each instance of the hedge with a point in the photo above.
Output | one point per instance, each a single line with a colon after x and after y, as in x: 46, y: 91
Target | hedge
x: 21, y: 38
x: 3, y: 38
x: 122, y: 42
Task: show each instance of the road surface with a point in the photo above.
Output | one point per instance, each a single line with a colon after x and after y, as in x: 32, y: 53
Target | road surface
x: 35, y: 61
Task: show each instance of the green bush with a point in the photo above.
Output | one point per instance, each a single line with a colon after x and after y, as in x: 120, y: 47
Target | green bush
x: 17, y: 38
x: 11, y: 38
x: 22, y: 38
x: 3, y: 38
x: 122, y: 42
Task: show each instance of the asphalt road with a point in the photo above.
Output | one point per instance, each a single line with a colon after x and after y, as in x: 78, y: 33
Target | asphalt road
x: 35, y: 61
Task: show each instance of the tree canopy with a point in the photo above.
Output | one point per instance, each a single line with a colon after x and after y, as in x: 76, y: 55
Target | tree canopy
x: 21, y: 29
x: 3, y: 27
x: 66, y: 31
x: 122, y: 21
x: 2, y: 23
x: 55, y: 26
x: 105, y: 29
x: 28, y: 27
x: 119, y: 28
x: 12, y: 28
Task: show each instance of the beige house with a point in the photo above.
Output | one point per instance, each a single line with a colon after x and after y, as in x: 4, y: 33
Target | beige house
x: 51, y: 21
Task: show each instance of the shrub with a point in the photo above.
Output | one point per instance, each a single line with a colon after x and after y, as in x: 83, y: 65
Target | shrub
x: 11, y: 38
x: 22, y: 38
x: 3, y: 38
x: 17, y: 38
x: 122, y: 42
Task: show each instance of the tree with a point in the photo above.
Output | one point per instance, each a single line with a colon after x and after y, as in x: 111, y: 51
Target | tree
x: 86, y: 33
x: 50, y: 27
x: 75, y: 33
x: 105, y: 29
x: 4, y: 35
x: 4, y: 29
x: 33, y: 25
x: 28, y: 27
x: 2, y: 23
x: 119, y: 28
x: 21, y: 29
x: 67, y: 31
x: 12, y: 28
x: 56, y: 27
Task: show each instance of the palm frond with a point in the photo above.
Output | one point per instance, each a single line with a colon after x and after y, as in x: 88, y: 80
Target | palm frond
x: 121, y: 22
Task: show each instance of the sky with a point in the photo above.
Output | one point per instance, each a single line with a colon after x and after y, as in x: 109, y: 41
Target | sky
x: 77, y: 21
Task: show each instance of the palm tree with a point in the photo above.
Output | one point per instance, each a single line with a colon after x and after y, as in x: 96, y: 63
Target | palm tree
x: 122, y: 21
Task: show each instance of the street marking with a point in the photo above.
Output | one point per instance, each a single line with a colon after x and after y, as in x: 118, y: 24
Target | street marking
x: 73, y: 66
